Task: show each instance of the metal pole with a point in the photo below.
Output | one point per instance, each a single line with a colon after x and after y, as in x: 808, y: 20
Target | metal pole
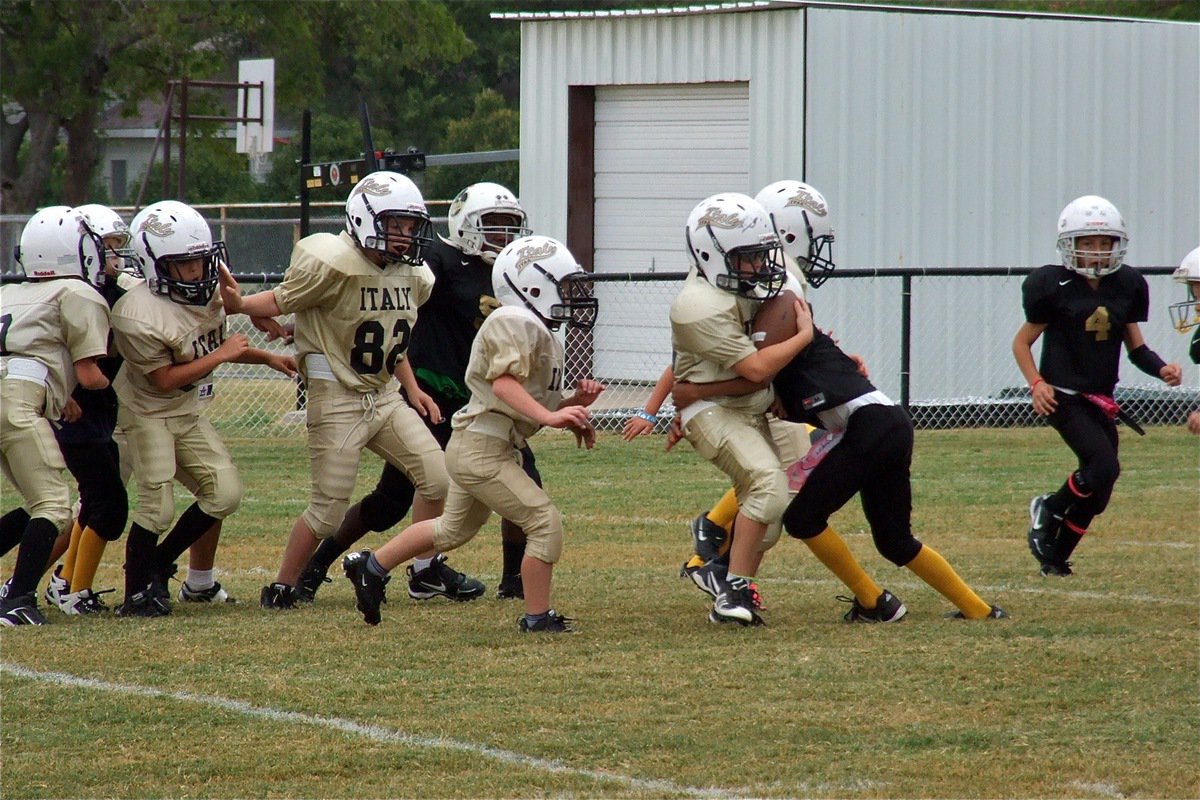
x: 181, y: 194
x: 166, y: 181
x: 905, y: 337
x: 305, y: 157
x: 137, y: 204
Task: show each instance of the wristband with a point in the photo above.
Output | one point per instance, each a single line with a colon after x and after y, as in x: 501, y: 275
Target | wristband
x: 1033, y: 385
x: 646, y: 415
x: 1147, y: 361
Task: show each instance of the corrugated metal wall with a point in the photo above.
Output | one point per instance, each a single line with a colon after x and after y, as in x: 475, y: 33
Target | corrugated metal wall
x: 764, y: 48
x: 939, y: 139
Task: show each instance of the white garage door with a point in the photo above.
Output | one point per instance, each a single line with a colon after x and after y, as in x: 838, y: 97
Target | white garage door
x: 659, y: 150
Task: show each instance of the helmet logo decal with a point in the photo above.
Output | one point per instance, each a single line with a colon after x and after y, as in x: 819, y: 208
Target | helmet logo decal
x: 156, y: 226
x: 458, y: 202
x: 717, y: 218
x: 530, y: 253
x: 372, y: 186
x: 808, y: 202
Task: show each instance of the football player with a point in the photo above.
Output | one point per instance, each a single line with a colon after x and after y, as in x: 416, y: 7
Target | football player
x: 87, y: 443
x: 355, y: 296
x: 52, y: 331
x: 170, y: 329
x: 515, y: 378
x: 1088, y: 307
x: 484, y: 218
x: 736, y: 264
x: 868, y: 451
x: 1186, y: 315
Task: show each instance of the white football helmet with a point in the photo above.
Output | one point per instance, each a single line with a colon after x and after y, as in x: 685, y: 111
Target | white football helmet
x: 471, y: 230
x: 107, y: 223
x: 1186, y: 315
x: 58, y: 243
x: 541, y: 274
x: 730, y: 228
x: 169, y: 232
x: 1091, y: 216
x: 802, y: 221
x: 378, y: 196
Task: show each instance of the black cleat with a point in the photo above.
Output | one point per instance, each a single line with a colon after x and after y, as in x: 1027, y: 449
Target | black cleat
x: 20, y: 610
x: 736, y: 604
x: 145, y: 603
x: 888, y: 608
x: 510, y: 588
x: 310, y: 581
x: 1059, y: 568
x: 1043, y: 529
x: 709, y: 576
x: 552, y: 623
x: 996, y: 613
x: 213, y: 594
x: 440, y: 580
x: 707, y: 537
x: 369, y: 589
x: 278, y: 597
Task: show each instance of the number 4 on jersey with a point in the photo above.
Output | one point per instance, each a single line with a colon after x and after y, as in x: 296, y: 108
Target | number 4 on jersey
x: 1098, y: 324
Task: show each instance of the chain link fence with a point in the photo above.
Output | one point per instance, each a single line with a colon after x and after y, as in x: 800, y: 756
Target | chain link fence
x: 938, y: 341
x: 954, y: 367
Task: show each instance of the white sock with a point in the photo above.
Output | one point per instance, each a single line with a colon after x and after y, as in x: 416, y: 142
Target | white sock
x: 199, y: 579
x: 421, y: 563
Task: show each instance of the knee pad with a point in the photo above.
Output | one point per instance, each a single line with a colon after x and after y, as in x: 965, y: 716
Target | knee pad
x: 324, y: 515
x: 223, y: 496
x: 898, y: 549
x: 382, y: 509
x: 767, y: 497
x: 155, y: 509
x: 799, y: 525
x: 771, y: 537
x: 544, y: 534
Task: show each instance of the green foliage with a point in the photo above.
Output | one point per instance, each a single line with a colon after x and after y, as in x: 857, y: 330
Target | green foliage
x: 492, y: 125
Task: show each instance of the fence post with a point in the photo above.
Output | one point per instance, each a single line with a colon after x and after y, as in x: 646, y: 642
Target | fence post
x: 905, y: 336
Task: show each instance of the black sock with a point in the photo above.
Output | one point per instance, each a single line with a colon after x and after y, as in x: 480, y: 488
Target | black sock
x: 139, y: 559
x: 512, y: 554
x: 37, y: 541
x: 12, y: 528
x: 193, y: 523
x: 328, y: 551
x: 1065, y: 544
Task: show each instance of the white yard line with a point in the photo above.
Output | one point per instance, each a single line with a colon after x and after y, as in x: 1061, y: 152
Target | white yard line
x: 375, y: 733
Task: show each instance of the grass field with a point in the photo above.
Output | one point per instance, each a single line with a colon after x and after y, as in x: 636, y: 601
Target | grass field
x: 1089, y: 690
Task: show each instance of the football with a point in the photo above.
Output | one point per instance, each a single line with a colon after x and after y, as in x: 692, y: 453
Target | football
x: 775, y: 320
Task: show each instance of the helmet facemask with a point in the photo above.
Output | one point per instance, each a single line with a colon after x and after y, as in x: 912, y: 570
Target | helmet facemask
x: 1185, y: 315
x: 399, y: 248
x: 578, y: 307
x: 495, y: 229
x: 198, y: 292
x: 1092, y: 263
x: 766, y: 275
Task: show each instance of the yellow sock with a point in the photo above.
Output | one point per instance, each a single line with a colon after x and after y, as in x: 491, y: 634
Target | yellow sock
x: 930, y: 567
x: 68, y: 567
x: 831, y: 550
x: 725, y: 511
x: 87, y: 560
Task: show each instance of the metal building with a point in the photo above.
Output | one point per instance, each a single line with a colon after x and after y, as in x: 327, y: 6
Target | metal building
x: 941, y: 138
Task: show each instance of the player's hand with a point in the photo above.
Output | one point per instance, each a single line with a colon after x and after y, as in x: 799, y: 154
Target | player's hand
x: 862, y: 365
x: 674, y: 434
x: 803, y: 316
x: 234, y: 347
x: 683, y: 394
x: 71, y: 411
x: 1044, y: 402
x: 586, y: 391
x: 777, y: 409
x: 271, y: 327
x: 425, y: 406
x: 635, y: 427
x: 569, y: 417
x: 284, y: 363
x: 1172, y: 374
x: 1193, y: 422
x: 231, y: 297
x: 585, y: 435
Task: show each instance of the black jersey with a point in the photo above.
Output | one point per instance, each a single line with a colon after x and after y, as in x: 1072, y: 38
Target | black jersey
x: 821, y: 377
x: 446, y: 325
x: 1194, y: 350
x: 99, y: 406
x: 1081, y: 348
